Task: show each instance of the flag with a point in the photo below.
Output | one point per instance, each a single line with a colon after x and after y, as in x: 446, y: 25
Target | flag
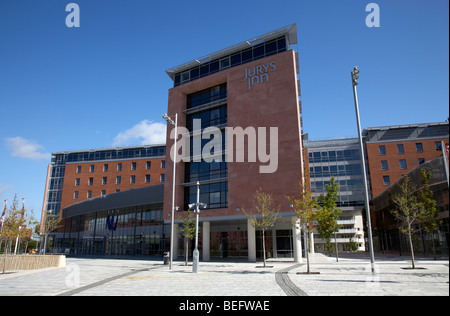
x: 3, y: 216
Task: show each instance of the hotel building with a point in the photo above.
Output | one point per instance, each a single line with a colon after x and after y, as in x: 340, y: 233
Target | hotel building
x: 251, y: 87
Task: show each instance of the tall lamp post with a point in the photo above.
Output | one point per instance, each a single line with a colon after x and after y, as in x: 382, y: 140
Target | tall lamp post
x: 197, y: 206
x: 355, y: 77
x: 171, y: 122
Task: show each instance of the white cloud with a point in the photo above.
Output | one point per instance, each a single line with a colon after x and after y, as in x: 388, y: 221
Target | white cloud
x: 146, y: 132
x: 3, y: 189
x: 24, y: 148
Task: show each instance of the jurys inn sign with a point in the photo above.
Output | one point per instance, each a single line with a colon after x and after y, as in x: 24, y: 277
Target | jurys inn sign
x: 258, y: 74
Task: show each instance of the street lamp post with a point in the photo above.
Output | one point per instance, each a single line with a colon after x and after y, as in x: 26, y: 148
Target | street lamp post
x: 355, y: 77
x: 197, y: 205
x: 171, y: 122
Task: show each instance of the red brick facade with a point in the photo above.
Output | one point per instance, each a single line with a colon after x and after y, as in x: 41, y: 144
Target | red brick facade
x: 271, y: 103
x: 392, y: 158
x: 98, y: 175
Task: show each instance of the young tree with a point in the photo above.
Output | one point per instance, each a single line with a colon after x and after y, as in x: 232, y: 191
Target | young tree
x: 407, y: 210
x: 327, y: 215
x: 51, y: 223
x: 16, y: 225
x: 304, y: 208
x: 187, y: 229
x: 428, y: 218
x: 265, y: 216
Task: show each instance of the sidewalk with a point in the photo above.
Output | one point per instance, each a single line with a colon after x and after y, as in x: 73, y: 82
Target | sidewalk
x: 350, y: 276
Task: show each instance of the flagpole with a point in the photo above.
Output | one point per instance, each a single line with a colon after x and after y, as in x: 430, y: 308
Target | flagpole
x: 3, y: 216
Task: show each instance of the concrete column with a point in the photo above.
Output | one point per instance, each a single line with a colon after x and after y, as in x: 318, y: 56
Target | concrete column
x: 175, y: 242
x: 206, y: 241
x: 274, y: 242
x: 297, y: 240
x: 311, y: 242
x: 251, y: 239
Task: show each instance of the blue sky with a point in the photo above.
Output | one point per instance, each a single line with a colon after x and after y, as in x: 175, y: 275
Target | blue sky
x: 104, y: 84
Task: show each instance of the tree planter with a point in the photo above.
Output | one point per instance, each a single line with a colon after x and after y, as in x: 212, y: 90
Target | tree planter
x: 32, y: 262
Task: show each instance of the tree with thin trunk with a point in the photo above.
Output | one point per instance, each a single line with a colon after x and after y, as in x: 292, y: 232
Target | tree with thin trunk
x: 407, y: 210
x: 304, y: 208
x: 51, y: 223
x: 428, y: 218
x: 265, y: 216
x: 187, y: 230
x: 17, y: 224
x: 327, y: 215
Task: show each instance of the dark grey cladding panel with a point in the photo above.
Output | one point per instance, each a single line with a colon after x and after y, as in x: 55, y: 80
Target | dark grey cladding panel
x: 148, y: 195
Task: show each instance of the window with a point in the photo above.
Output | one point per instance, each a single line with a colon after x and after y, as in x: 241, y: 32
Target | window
x: 400, y: 149
x: 163, y: 177
x: 75, y: 195
x: 386, y: 180
x: 148, y: 165
x: 78, y: 169
x: 225, y: 62
x: 91, y: 181
x: 215, y: 195
x: 133, y: 179
x: 105, y: 167
x: 119, y: 166
x: 421, y: 161
x: 133, y: 166
x: 89, y: 194
x: 384, y: 165
x: 104, y: 180
x: 77, y: 182
x: 163, y: 164
x: 185, y: 76
x: 147, y: 178
x: 91, y: 169
x: 382, y: 149
x: 402, y: 164
x: 103, y: 192
x: 118, y: 179
x: 419, y: 147
x: 257, y: 51
x: 438, y: 146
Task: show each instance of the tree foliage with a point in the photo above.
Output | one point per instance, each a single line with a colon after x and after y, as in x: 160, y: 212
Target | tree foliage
x: 327, y: 214
x: 407, y: 210
x: 429, y: 217
x: 304, y: 209
x: 18, y: 224
x: 187, y: 230
x: 265, y: 217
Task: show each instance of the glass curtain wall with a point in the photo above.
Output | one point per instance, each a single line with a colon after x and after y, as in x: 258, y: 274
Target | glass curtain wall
x: 132, y: 231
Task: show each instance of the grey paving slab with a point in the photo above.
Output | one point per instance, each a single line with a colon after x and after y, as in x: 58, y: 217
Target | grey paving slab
x: 350, y: 276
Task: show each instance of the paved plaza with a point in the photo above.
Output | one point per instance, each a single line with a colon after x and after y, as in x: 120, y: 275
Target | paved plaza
x: 350, y: 276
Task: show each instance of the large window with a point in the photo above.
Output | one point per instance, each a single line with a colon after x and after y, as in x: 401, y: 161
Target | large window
x: 214, y: 195
x: 206, y: 96
x: 200, y: 171
x: 212, y: 117
x: 262, y: 50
